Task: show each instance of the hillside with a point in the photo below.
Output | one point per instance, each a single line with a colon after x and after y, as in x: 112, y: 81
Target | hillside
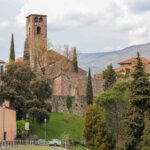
x: 59, y: 124
x: 99, y: 61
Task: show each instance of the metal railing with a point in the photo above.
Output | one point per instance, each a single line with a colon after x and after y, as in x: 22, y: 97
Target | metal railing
x: 16, y: 143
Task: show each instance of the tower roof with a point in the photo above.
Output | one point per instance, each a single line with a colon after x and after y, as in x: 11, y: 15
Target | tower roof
x: 36, y: 15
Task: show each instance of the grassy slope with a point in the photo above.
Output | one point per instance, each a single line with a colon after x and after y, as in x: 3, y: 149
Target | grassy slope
x: 60, y: 123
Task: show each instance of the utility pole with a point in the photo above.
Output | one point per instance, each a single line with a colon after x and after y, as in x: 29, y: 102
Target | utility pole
x: 45, y: 121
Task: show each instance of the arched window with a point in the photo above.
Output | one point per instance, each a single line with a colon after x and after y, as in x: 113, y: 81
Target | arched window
x: 36, y: 19
x: 38, y: 30
x: 40, y: 19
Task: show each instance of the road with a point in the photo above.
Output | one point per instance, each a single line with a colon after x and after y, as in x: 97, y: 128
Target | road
x: 60, y: 148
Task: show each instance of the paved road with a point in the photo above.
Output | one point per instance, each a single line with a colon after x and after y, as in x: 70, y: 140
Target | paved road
x: 60, y: 148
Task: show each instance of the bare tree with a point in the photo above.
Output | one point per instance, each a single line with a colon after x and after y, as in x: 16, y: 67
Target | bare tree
x: 48, y: 63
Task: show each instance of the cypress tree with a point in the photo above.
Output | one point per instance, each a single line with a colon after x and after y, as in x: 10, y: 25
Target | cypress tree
x: 12, y: 50
x: 89, y: 89
x: 109, y: 77
x: 26, y: 56
x: 139, y: 102
x: 75, y: 60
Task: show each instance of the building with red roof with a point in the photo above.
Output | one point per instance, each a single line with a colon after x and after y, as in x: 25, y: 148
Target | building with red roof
x: 128, y: 65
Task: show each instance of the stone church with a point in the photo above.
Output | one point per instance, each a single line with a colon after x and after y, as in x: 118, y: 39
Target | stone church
x: 66, y: 82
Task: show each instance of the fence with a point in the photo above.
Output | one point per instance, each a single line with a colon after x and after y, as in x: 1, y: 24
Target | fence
x: 16, y: 143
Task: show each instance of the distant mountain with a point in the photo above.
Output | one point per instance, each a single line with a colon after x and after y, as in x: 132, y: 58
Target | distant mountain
x: 99, y: 61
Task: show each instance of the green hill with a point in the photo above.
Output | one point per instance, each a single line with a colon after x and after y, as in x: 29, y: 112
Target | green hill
x: 59, y: 124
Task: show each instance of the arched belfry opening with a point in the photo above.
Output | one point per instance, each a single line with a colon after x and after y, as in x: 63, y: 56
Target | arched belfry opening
x: 36, y: 19
x: 38, y: 30
x: 40, y: 19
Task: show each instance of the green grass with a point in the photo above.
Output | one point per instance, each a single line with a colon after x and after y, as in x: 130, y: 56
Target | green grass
x: 59, y: 124
x: 31, y: 148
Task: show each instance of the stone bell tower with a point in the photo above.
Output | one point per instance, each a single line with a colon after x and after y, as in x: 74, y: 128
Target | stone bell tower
x: 36, y: 35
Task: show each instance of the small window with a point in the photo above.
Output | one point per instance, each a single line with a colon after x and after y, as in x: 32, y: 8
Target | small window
x: 36, y: 19
x: 38, y: 30
x: 29, y: 31
x: 40, y: 19
x: 2, y: 69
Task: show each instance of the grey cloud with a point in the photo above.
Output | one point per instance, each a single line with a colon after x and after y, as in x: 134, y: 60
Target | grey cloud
x: 9, y: 9
x: 74, y: 20
x: 138, y: 6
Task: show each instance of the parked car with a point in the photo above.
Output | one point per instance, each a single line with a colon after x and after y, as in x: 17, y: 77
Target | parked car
x: 54, y: 142
x: 42, y: 142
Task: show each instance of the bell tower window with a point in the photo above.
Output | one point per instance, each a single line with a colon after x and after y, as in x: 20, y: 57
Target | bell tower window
x: 38, y: 30
x: 36, y: 19
x: 40, y: 19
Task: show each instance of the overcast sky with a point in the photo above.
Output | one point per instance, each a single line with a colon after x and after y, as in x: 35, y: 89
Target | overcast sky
x: 91, y: 25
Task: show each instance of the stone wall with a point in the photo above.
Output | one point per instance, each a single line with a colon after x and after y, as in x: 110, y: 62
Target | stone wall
x: 75, y: 85
x: 78, y: 104
x: 59, y: 104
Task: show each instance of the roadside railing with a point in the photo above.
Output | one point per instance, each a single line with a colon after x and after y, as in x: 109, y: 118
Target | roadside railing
x: 16, y: 143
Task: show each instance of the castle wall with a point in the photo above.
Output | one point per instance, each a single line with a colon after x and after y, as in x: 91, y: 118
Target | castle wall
x: 97, y: 84
x: 74, y: 84
x: 59, y: 104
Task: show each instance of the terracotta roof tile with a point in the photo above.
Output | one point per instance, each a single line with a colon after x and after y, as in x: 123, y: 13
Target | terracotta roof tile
x: 19, y: 59
x: 133, y: 61
x: 57, y: 56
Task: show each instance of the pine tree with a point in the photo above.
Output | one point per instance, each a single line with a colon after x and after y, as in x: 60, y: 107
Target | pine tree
x: 145, y: 142
x: 26, y: 52
x: 75, y: 60
x: 140, y: 98
x: 12, y: 50
x: 89, y: 89
x: 109, y: 77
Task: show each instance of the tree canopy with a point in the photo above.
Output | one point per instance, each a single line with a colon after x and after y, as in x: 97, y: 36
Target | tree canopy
x: 139, y: 106
x: 12, y: 50
x: 89, y: 89
x: 75, y: 59
x: 109, y: 77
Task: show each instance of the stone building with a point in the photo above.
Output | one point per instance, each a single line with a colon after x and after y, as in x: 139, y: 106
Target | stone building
x: 65, y: 81
x: 8, y: 127
x: 36, y: 35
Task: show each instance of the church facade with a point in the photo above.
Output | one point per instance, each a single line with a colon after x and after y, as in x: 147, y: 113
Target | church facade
x: 66, y: 82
